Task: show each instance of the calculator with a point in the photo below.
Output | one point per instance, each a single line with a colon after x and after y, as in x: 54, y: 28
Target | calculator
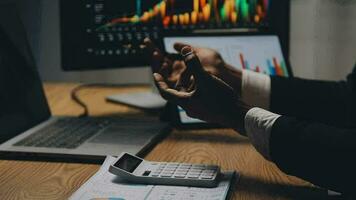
x: 137, y: 170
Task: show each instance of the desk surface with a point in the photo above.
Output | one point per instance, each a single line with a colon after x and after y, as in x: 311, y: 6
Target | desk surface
x: 48, y: 180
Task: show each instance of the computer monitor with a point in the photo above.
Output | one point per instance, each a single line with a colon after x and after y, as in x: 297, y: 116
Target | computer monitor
x: 102, y: 34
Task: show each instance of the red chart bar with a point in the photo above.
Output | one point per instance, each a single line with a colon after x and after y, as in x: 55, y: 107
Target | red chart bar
x: 279, y: 70
x: 242, y: 61
x: 258, y: 69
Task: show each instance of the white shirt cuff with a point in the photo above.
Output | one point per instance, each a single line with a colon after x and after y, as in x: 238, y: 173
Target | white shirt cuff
x: 258, y: 126
x: 256, y: 89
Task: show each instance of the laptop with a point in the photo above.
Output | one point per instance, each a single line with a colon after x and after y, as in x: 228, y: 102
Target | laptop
x: 26, y: 124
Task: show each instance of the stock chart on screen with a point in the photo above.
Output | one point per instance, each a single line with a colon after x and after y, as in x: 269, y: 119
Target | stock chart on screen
x: 182, y: 13
x: 107, y: 33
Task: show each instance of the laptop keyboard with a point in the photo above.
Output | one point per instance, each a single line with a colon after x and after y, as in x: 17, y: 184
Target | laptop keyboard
x: 64, y: 133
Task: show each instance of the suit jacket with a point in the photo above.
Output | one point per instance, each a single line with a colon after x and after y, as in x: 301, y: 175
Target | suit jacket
x: 315, y: 138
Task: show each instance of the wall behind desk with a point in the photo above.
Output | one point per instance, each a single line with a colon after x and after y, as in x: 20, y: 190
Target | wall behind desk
x: 323, y: 42
x: 323, y: 38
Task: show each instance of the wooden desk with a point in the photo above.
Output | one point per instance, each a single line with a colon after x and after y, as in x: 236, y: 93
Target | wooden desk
x: 47, y: 180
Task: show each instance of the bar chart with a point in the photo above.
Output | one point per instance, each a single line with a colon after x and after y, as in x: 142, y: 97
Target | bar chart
x: 274, y: 67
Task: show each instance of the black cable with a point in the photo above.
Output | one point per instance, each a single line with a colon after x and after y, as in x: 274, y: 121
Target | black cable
x: 81, y: 103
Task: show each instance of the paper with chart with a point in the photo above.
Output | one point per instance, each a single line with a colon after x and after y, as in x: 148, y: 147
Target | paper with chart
x: 104, y: 185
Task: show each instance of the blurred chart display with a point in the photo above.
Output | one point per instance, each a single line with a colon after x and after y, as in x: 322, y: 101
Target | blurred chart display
x: 107, y: 33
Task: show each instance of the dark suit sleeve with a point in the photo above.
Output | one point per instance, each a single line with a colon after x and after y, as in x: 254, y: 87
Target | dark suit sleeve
x: 319, y: 153
x: 328, y: 102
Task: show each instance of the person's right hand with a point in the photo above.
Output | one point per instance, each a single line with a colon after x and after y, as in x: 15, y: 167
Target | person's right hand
x: 213, y: 63
x: 200, y: 94
x: 210, y: 59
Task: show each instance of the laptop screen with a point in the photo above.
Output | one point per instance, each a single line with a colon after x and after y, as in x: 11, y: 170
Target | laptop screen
x: 22, y: 101
x: 258, y: 53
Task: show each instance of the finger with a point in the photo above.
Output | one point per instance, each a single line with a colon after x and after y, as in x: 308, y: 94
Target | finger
x: 149, y: 45
x: 179, y: 75
x: 169, y: 93
x: 155, y: 55
x: 193, y: 63
x: 178, y: 66
x: 184, y: 80
x: 178, y: 46
x: 156, y: 61
x: 174, y: 56
x: 162, y: 86
x: 185, y: 75
x: 165, y: 70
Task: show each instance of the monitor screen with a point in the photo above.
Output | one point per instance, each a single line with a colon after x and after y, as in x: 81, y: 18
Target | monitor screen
x: 262, y: 54
x: 99, y: 34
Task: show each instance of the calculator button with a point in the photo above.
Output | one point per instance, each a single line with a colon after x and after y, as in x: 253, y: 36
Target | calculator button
x: 209, y: 171
x: 166, y: 175
x: 183, y: 174
x: 155, y: 174
x: 197, y: 167
x: 168, y: 172
x: 193, y: 176
x: 185, y: 165
x: 179, y: 169
x: 171, y: 167
x: 212, y: 175
x: 193, y: 172
x: 179, y: 175
x: 182, y: 171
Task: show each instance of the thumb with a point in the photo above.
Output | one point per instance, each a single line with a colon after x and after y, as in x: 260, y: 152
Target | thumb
x: 178, y: 46
x: 193, y: 63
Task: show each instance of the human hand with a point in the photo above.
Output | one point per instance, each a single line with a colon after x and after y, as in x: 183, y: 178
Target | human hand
x: 213, y: 63
x: 200, y: 94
